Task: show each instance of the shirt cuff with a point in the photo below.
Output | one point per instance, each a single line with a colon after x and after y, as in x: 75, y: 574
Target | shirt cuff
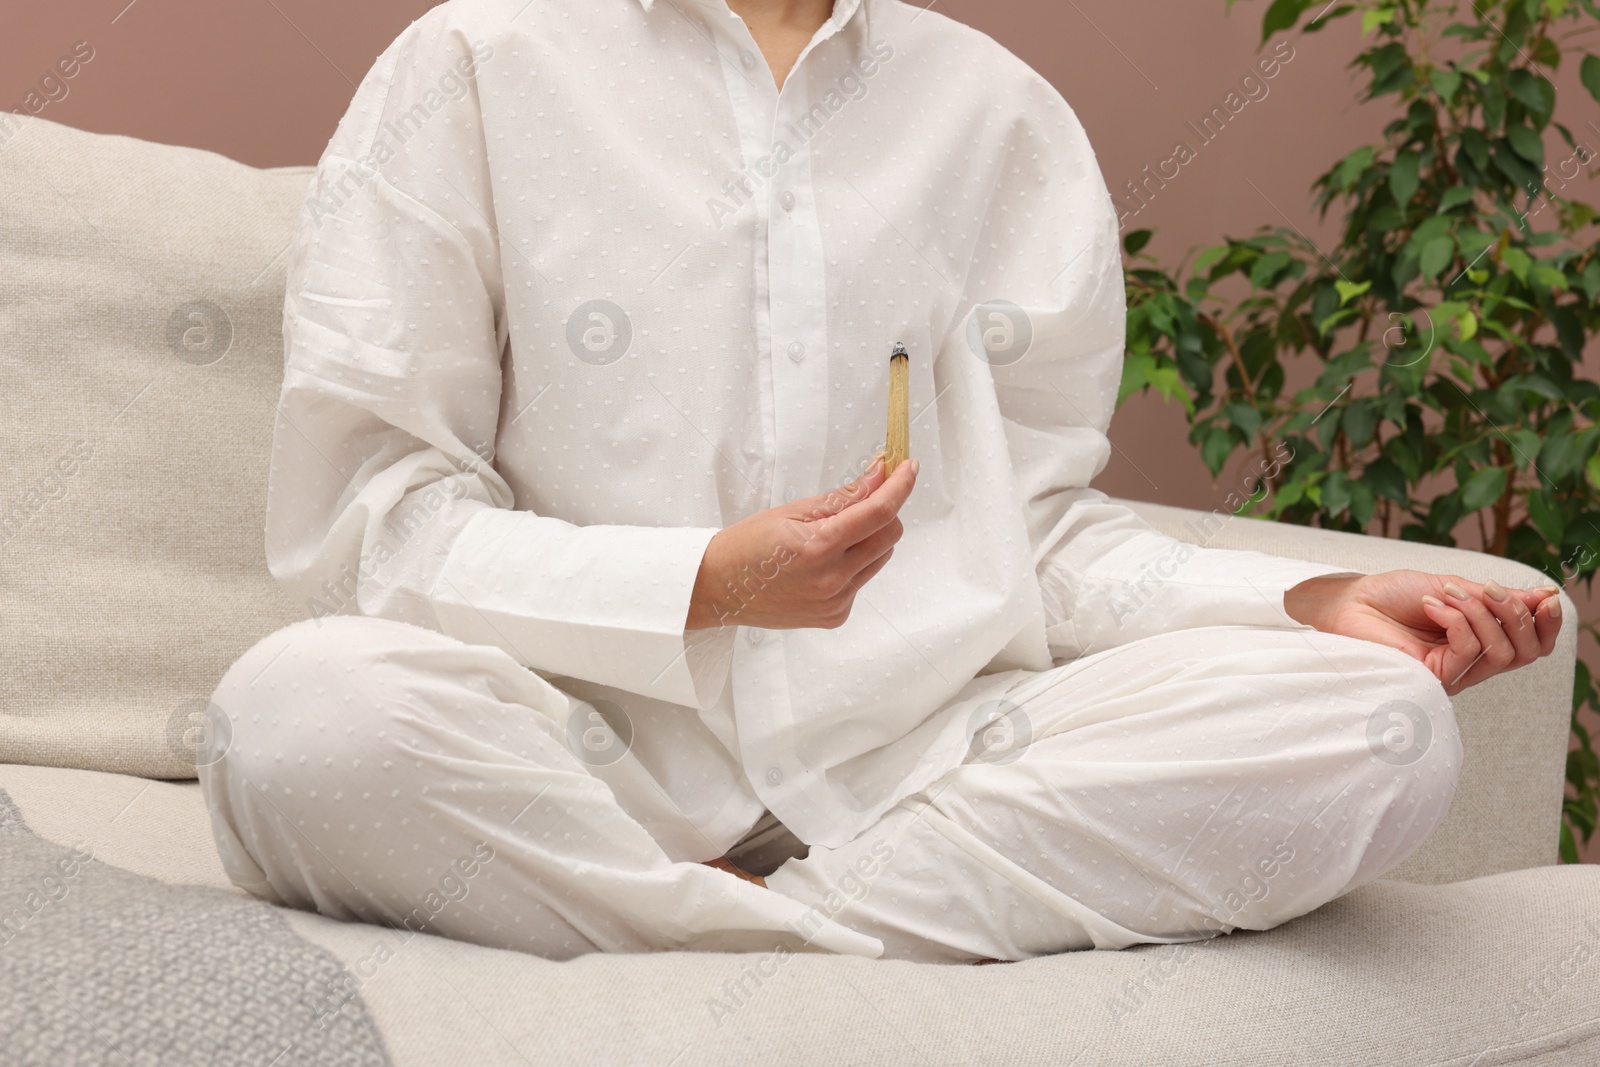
x: 1214, y: 587
x: 1283, y: 577
x: 607, y: 604
x: 710, y: 656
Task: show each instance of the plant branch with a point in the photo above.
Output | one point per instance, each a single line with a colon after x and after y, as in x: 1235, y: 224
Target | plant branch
x: 1233, y: 350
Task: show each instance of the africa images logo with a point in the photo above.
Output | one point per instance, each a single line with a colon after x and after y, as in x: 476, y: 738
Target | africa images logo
x: 599, y: 333
x: 599, y: 733
x: 1399, y: 732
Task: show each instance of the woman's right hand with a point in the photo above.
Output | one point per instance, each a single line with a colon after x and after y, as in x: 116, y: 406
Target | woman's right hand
x: 803, y: 563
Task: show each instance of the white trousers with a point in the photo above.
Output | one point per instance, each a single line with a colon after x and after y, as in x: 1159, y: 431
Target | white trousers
x: 1166, y: 790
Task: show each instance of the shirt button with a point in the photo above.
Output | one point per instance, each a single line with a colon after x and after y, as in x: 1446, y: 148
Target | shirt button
x: 774, y: 776
x: 747, y: 59
x: 797, y: 351
x: 787, y: 200
x: 754, y: 635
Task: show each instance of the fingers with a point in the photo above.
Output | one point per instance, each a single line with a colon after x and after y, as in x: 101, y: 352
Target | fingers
x: 1544, y: 603
x: 1543, y: 608
x: 839, y: 607
x: 868, y: 556
x: 1462, y: 647
x: 1547, y: 621
x: 824, y: 505
x: 1516, y: 622
x: 1534, y: 597
x: 1489, y: 628
x: 874, y: 545
x: 1497, y: 651
x: 866, y: 517
x: 863, y: 576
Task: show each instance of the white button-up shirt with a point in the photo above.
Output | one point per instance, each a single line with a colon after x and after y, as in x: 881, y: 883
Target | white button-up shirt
x: 576, y: 286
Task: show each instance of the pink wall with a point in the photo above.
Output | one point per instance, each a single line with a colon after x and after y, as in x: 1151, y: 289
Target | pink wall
x: 266, y: 83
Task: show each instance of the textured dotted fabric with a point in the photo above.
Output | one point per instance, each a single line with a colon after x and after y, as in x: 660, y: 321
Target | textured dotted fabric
x: 1168, y: 790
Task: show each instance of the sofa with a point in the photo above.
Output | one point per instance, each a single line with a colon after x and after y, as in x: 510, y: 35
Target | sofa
x: 140, y: 356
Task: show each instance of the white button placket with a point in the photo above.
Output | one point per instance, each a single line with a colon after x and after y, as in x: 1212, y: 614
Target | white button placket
x: 753, y: 99
x: 760, y: 683
x: 789, y: 269
x: 799, y: 306
x: 791, y: 315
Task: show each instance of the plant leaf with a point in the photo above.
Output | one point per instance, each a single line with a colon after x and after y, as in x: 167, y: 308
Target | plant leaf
x: 1589, y: 73
x: 1245, y: 417
x: 1360, y: 420
x: 1534, y: 93
x: 1517, y: 261
x: 1353, y: 167
x: 1282, y: 15
x: 1446, y: 83
x: 1561, y: 456
x: 1348, y: 291
x: 1483, y: 487
x: 1455, y: 196
x: 1404, y: 179
x: 1527, y: 143
x: 1362, y: 503
x: 1546, y: 516
x: 1266, y: 270
x: 1436, y: 256
x: 1385, y: 479
x: 1335, y: 493
x: 1209, y: 258
x: 1391, y: 69
x: 1216, y: 449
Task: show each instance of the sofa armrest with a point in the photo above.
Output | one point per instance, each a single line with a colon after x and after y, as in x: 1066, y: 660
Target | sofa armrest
x: 1514, y: 728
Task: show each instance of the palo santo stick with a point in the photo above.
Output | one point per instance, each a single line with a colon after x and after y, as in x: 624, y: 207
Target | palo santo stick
x: 897, y: 443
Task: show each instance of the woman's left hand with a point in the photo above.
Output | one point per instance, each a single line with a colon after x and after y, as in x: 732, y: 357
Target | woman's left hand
x: 1464, y: 632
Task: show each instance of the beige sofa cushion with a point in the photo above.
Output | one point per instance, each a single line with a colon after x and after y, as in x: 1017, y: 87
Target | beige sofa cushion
x: 141, y: 322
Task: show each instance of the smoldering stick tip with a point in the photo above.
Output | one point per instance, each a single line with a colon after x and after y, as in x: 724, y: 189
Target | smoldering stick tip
x: 897, y: 442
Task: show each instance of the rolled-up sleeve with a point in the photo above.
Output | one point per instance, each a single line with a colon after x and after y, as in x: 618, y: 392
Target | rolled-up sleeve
x: 1106, y: 576
x: 383, y: 498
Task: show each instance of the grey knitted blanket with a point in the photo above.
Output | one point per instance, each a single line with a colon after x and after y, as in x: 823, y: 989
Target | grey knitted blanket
x: 102, y: 966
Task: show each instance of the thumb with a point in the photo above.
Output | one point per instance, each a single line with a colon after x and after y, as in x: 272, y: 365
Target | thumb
x: 1532, y: 598
x: 832, y: 502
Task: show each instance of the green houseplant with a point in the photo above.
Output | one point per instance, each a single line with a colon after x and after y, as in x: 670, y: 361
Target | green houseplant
x: 1442, y: 339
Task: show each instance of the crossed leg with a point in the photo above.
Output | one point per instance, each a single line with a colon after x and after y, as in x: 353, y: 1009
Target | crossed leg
x: 384, y: 772
x: 1163, y: 791
x: 1168, y: 790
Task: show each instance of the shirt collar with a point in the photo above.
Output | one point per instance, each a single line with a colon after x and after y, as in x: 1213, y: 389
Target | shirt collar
x: 843, y: 11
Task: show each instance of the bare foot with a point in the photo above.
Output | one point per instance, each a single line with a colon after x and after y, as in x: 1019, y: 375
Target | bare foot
x: 721, y: 863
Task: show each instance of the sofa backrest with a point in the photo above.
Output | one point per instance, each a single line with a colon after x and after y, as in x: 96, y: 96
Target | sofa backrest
x: 141, y: 296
